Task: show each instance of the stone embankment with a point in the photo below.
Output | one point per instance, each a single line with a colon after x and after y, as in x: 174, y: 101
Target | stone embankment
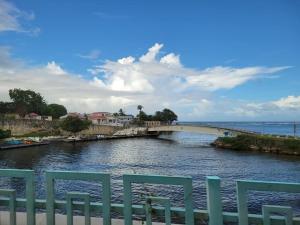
x: 131, y: 131
x: 260, y: 143
x: 25, y: 127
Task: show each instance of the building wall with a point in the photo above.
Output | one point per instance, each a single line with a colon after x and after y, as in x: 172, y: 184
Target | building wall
x: 152, y: 123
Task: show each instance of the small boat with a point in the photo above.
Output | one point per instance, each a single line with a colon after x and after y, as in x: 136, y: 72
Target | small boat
x: 13, y: 142
x: 73, y: 139
x: 100, y: 136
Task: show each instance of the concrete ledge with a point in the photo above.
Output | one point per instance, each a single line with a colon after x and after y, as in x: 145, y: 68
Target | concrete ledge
x: 61, y: 219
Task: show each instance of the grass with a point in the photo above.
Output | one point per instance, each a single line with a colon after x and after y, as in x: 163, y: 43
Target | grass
x: 265, y: 143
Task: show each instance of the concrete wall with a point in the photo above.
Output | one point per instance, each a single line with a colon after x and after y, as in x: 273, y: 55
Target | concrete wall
x: 96, y: 129
x: 21, y: 127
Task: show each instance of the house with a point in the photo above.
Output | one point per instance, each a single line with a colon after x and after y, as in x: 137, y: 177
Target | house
x: 98, y: 118
x: 47, y: 118
x: 103, y: 118
x: 152, y: 123
x: 33, y: 116
x: 125, y: 120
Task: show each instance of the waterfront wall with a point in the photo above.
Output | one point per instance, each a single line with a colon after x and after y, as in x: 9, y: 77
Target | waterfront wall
x: 23, y: 127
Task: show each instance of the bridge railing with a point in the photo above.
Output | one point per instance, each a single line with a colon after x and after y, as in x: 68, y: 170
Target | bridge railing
x: 214, y: 213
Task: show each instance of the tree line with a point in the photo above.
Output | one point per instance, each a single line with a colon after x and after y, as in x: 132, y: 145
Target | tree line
x: 27, y: 101
x: 165, y: 116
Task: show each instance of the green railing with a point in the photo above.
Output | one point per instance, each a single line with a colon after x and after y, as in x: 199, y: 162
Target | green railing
x: 214, y: 214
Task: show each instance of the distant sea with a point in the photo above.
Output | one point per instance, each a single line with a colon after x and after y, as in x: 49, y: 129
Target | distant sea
x: 278, y: 128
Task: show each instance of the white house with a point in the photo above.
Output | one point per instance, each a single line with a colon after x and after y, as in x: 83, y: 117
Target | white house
x: 103, y: 118
x: 125, y: 120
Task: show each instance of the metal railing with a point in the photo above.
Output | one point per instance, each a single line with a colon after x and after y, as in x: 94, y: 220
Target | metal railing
x: 213, y: 214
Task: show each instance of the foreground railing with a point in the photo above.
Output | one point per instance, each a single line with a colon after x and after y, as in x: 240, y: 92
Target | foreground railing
x: 214, y: 215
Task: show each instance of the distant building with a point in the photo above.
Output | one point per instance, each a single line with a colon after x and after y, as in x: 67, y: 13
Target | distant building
x: 47, y: 118
x: 125, y: 120
x: 103, y: 118
x: 33, y: 116
x: 152, y: 123
x: 98, y: 118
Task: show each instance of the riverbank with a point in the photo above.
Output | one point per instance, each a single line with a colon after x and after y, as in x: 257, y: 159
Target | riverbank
x: 260, y: 143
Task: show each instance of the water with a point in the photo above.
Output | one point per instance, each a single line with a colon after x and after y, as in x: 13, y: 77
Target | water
x: 184, y: 154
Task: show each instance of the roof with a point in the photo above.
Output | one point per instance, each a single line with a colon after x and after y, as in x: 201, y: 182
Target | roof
x: 33, y: 114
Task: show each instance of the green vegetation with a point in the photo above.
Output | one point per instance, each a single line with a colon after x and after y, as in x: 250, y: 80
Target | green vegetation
x: 28, y: 101
x: 4, y: 134
x: 56, y: 110
x: 165, y: 116
x: 74, y: 124
x: 120, y: 113
x: 263, y: 143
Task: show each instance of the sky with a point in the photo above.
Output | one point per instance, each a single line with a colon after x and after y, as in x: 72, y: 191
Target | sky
x: 206, y: 60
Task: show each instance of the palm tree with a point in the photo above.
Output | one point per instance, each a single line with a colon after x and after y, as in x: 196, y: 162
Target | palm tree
x: 140, y: 107
x: 121, y: 112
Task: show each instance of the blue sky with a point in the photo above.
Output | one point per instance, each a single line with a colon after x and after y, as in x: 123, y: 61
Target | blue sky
x: 207, y: 60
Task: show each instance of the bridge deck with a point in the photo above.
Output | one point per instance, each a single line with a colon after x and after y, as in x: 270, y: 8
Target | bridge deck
x: 218, y: 131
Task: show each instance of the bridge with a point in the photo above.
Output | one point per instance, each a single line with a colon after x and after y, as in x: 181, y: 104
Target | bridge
x: 203, y: 129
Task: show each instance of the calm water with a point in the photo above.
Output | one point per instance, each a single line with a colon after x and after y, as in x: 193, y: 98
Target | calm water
x: 176, y: 154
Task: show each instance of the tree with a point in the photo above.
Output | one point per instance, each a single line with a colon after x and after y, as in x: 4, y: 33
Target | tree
x: 168, y: 116
x: 5, y: 134
x: 142, y: 116
x: 121, y: 112
x: 56, y: 110
x: 27, y: 101
x: 7, y: 107
x: 140, y: 107
x: 74, y: 124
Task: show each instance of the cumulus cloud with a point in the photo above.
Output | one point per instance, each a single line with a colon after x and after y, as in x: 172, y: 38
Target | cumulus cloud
x: 150, y: 72
x: 290, y: 102
x: 55, y: 69
x: 286, y: 108
x: 153, y: 80
x: 12, y: 19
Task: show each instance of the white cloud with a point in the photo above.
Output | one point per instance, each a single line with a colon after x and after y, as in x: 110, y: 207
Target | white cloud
x: 171, y: 59
x: 55, y: 69
x: 227, y: 77
x: 290, y: 102
x: 151, y: 80
x: 150, y: 73
x: 284, y: 108
x: 151, y: 54
x: 126, y: 60
x: 12, y: 19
